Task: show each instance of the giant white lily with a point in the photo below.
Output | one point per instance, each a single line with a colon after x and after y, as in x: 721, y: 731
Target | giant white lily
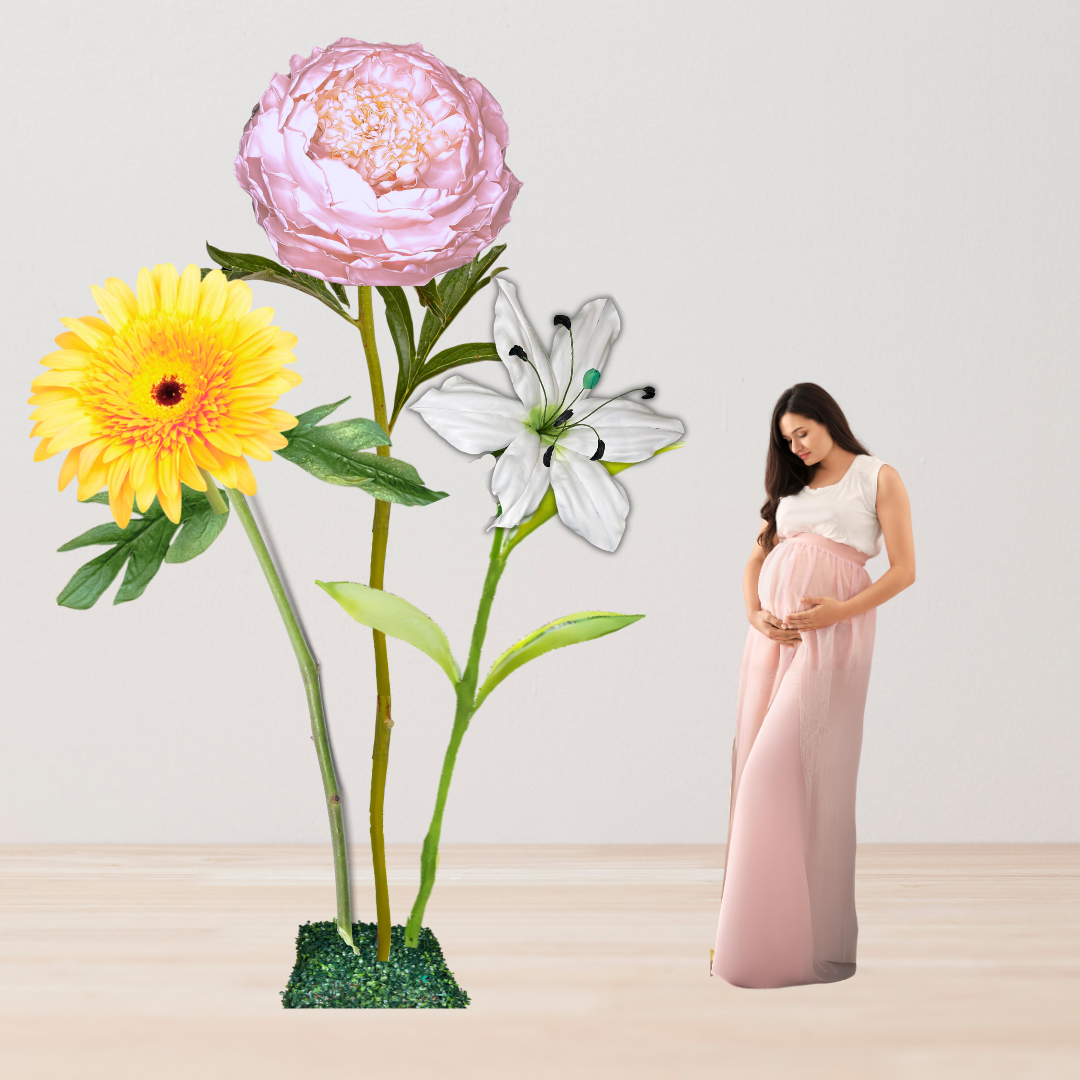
x: 554, y: 433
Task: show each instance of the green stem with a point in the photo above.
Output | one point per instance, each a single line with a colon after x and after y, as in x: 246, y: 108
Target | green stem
x: 466, y: 707
x: 309, y: 669
x: 380, y: 530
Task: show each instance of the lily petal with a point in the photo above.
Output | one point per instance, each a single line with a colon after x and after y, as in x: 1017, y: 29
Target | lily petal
x: 631, y: 431
x: 520, y: 479
x: 470, y: 417
x: 512, y: 328
x: 595, y: 327
x: 589, y: 499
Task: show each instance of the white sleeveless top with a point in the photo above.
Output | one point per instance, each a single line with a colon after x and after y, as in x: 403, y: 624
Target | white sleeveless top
x: 845, y: 512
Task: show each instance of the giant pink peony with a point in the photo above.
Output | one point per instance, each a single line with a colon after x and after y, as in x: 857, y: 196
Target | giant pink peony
x: 376, y: 165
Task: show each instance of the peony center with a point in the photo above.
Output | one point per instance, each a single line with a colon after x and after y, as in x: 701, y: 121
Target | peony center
x: 381, y: 133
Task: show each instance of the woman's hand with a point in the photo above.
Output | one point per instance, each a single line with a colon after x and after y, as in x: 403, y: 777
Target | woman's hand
x: 826, y: 610
x: 765, y: 622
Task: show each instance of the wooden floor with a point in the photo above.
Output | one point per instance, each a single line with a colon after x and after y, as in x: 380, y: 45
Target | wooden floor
x: 165, y: 963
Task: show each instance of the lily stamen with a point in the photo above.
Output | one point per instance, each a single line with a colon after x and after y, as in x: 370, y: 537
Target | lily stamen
x: 520, y: 353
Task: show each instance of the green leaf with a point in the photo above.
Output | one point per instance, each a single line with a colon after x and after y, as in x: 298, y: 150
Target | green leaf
x: 332, y: 453
x: 455, y: 357
x: 399, y: 319
x: 199, y: 526
x: 442, y: 300
x: 143, y: 545
x: 109, y: 533
x: 570, y: 629
x: 238, y: 265
x: 396, y: 617
x: 147, y: 554
x: 310, y: 418
x: 454, y: 289
x: 92, y: 579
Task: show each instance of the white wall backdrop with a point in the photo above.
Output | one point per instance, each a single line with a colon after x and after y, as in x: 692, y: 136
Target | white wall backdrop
x: 879, y: 197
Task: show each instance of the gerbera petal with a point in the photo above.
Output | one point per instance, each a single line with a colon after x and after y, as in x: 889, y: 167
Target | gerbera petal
x: 189, y: 471
x: 86, y: 333
x: 187, y: 296
x: 245, y: 478
x: 43, y: 451
x: 212, y: 296
x: 145, y: 292
x: 470, y: 417
x: 589, y: 499
x: 513, y: 329
x: 237, y: 300
x: 632, y: 431
x: 146, y: 486
x: 594, y: 327
x: 121, y: 503
x: 167, y: 281
x: 520, y: 479
x: 68, y: 470
x: 281, y: 420
x: 223, y: 440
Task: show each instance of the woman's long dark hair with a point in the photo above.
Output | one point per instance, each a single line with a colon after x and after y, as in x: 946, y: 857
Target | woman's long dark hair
x: 785, y: 474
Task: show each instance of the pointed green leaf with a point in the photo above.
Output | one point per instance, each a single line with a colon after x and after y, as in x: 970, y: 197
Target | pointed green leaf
x: 396, y: 617
x: 399, y: 320
x: 238, y: 265
x: 570, y: 629
x: 147, y: 554
x: 331, y: 452
x: 356, y: 434
x: 454, y: 290
x: 143, y: 545
x: 199, y: 526
x: 310, y: 418
x: 91, y: 579
x: 455, y: 357
x: 109, y: 533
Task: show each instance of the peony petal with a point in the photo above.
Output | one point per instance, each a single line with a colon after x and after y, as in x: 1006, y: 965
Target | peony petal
x: 520, y: 479
x: 470, y: 417
x: 594, y: 328
x: 589, y: 499
x: 513, y: 329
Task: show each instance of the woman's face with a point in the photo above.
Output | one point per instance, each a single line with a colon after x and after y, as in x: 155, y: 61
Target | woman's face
x: 809, y: 440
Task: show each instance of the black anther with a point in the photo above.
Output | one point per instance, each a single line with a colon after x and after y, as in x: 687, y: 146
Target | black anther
x: 599, y: 450
x: 649, y: 391
x: 547, y: 455
x: 519, y: 352
x: 562, y: 320
x: 562, y: 418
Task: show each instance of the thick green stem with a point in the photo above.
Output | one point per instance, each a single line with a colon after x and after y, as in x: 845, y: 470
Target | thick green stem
x: 309, y: 669
x: 466, y: 706
x: 380, y: 530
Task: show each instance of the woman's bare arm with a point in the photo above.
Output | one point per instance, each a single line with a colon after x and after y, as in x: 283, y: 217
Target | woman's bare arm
x: 761, y: 620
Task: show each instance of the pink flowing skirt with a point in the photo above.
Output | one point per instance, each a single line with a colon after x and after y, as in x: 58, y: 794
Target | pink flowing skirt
x: 787, y: 911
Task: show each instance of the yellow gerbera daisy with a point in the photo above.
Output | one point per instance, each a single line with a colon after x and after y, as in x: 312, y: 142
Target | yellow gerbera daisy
x: 177, y: 376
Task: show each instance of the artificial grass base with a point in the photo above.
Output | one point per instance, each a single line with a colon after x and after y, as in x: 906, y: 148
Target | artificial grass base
x: 329, y: 975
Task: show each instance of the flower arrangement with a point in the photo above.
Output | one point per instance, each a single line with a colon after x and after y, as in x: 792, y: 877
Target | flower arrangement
x: 379, y: 167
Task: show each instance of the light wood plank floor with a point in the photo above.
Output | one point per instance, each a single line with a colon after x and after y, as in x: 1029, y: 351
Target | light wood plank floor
x: 583, y: 963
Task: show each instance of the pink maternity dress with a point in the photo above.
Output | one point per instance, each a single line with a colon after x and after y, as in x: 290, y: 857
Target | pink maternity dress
x: 787, y: 912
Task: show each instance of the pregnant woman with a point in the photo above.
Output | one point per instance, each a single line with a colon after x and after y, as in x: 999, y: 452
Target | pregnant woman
x: 787, y: 911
